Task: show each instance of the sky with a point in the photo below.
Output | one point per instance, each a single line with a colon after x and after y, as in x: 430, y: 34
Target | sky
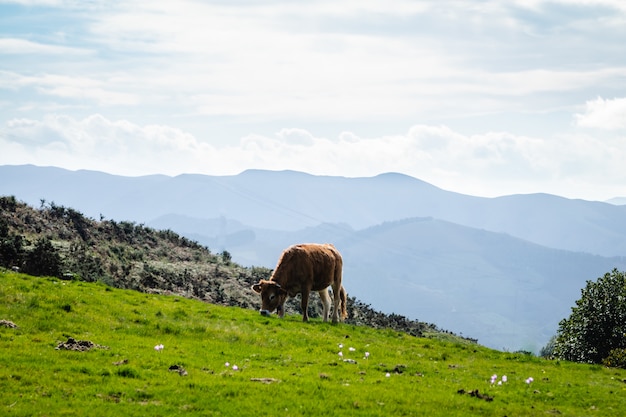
x: 481, y: 97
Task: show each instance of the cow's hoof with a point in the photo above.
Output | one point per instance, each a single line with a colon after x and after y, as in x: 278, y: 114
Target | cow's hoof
x: 265, y: 313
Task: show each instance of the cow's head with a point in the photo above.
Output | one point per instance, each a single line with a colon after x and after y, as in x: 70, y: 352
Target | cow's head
x: 273, y: 297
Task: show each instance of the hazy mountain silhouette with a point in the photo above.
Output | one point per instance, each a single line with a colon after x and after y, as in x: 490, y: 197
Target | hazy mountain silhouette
x: 619, y: 201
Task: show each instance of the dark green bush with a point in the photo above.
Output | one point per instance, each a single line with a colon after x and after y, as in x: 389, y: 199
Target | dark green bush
x: 597, y: 324
x: 616, y: 359
x: 44, y: 259
x: 11, y: 247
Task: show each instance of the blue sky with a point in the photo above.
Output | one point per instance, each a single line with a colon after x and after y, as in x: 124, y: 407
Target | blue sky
x: 480, y: 97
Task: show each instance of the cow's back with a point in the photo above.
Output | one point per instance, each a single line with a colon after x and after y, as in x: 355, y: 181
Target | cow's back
x: 309, y: 265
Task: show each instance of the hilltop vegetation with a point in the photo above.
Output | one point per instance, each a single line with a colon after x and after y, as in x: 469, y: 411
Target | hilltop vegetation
x: 57, y: 241
x: 77, y: 348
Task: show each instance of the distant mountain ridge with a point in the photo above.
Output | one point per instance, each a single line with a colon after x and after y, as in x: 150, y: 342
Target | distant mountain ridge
x: 620, y: 201
x: 289, y: 200
x: 504, y: 270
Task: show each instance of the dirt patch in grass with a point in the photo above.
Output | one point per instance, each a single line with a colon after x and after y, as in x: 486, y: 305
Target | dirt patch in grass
x: 79, y: 345
x: 7, y: 323
x: 476, y: 394
x: 265, y: 380
x: 177, y: 368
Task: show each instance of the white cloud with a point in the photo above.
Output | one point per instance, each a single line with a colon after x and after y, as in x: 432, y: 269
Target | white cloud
x: 615, y: 4
x: 92, y: 93
x: 609, y: 114
x: 477, y: 164
x: 35, y: 2
x: 338, y: 61
x: 63, y: 86
x: 16, y: 46
x: 70, y: 4
x: 327, y: 60
x: 100, y: 144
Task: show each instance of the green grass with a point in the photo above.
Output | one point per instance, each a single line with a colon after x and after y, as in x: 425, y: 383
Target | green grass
x: 308, y: 377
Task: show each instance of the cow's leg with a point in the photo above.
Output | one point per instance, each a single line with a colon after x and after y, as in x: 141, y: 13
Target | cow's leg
x: 336, y: 301
x: 325, y: 303
x: 304, y: 304
x: 336, y: 284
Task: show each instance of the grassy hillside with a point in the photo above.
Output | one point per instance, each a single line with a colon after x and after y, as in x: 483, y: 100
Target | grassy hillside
x: 219, y: 360
x: 58, y: 241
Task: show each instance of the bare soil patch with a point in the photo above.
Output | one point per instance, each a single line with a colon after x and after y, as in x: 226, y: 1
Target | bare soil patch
x: 79, y: 345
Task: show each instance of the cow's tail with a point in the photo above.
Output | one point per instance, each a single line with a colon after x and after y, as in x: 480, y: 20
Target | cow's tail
x: 344, y: 303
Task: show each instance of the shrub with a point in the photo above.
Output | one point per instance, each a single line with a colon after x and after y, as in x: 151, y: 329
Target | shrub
x: 8, y: 203
x: 44, y: 259
x: 597, y: 324
x: 548, y: 350
x: 11, y: 247
x: 227, y: 257
x: 616, y: 359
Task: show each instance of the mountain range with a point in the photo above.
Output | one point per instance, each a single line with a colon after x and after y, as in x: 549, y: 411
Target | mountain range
x: 504, y: 270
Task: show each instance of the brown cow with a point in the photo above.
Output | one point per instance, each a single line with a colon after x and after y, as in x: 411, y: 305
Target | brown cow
x: 301, y: 269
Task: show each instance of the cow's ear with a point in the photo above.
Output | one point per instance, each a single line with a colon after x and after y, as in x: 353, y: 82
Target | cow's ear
x: 257, y: 288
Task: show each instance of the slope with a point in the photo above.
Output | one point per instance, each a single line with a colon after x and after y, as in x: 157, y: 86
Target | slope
x: 59, y: 241
x: 89, y: 349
